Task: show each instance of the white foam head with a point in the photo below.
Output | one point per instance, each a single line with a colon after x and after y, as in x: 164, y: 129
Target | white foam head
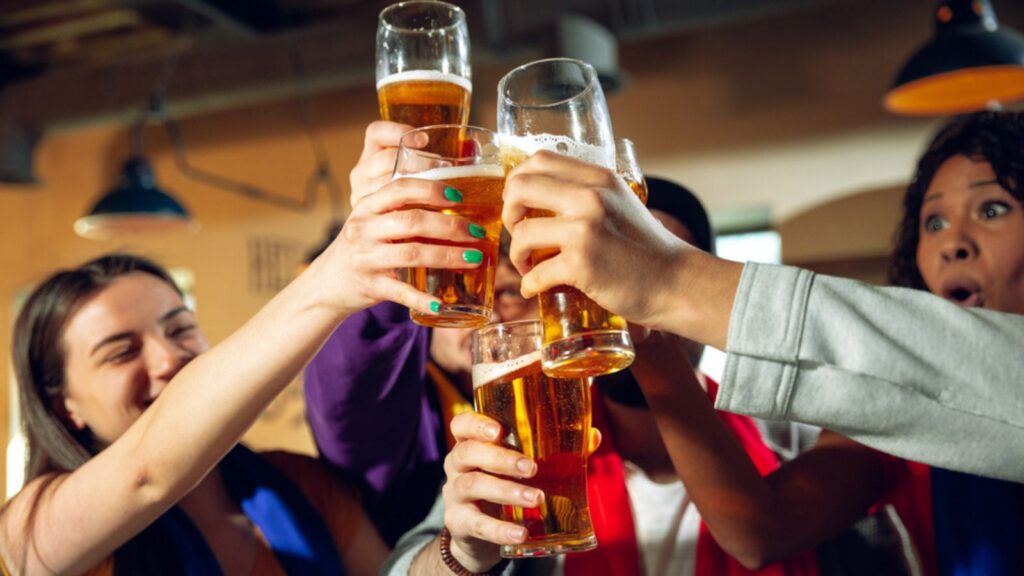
x: 426, y: 76
x: 487, y: 373
x: 562, y: 145
x: 451, y: 172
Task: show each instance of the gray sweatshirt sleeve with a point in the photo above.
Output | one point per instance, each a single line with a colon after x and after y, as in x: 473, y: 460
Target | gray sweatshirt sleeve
x: 899, y: 370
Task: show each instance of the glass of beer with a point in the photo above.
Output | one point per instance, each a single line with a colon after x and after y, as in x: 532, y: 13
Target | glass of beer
x: 628, y: 168
x: 469, y: 160
x: 423, y: 71
x: 547, y: 419
x: 558, y: 105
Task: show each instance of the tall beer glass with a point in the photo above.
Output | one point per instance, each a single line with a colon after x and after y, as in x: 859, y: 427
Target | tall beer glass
x: 547, y: 419
x: 628, y: 168
x: 469, y: 160
x: 423, y: 72
x: 558, y: 105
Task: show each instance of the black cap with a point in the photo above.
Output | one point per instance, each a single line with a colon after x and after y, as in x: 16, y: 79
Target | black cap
x: 677, y: 201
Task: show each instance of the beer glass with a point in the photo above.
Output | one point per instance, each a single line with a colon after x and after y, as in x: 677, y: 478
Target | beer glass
x: 558, y: 105
x: 628, y: 169
x: 547, y: 419
x: 467, y: 159
x: 423, y: 72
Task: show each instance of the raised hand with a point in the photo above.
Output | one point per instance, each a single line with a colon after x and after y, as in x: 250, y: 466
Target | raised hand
x: 377, y: 161
x: 385, y: 232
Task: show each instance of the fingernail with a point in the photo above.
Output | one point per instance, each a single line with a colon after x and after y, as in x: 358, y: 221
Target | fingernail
x: 531, y: 495
x: 525, y: 465
x: 477, y: 231
x: 492, y: 431
x: 473, y: 256
x: 452, y: 194
x: 517, y: 533
x: 435, y: 307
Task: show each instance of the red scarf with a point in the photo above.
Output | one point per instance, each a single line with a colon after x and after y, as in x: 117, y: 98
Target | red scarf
x: 617, y: 552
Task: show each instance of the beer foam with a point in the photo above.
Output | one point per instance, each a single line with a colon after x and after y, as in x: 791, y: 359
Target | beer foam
x: 426, y: 76
x: 564, y: 145
x: 487, y: 373
x: 451, y: 172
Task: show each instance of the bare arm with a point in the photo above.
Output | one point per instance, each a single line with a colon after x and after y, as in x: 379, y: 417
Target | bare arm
x: 214, y: 399
x: 756, y: 519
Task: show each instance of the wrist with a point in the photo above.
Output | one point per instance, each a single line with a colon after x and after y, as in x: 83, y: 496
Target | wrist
x: 461, y: 564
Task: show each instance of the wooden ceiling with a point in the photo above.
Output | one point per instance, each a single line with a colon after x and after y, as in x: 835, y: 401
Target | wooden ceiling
x: 38, y: 36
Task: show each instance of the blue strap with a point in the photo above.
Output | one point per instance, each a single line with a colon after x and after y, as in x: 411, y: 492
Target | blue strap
x: 979, y: 524
x: 296, y: 532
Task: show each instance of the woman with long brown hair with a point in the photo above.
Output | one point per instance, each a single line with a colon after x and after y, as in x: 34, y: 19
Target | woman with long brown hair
x: 133, y: 426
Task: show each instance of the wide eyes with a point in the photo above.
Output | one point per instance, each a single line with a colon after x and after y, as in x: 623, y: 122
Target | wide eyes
x: 935, y: 223
x: 994, y: 209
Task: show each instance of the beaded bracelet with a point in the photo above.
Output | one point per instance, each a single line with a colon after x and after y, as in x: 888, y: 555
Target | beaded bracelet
x: 457, y: 568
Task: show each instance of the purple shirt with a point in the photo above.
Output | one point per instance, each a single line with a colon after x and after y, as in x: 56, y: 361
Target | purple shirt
x: 374, y: 414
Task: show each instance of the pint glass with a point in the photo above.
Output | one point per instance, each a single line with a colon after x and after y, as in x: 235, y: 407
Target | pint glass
x: 558, y: 105
x: 423, y: 71
x: 467, y: 159
x: 547, y: 419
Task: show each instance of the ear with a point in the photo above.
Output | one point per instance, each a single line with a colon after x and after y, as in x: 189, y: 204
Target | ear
x: 71, y: 413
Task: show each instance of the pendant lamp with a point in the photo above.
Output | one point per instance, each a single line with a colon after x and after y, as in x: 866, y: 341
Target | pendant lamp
x: 136, y: 205
x: 970, y: 64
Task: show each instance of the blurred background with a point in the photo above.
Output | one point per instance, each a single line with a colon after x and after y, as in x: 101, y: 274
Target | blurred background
x: 251, y: 113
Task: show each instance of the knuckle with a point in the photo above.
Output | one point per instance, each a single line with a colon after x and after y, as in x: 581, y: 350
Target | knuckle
x: 408, y: 253
x: 479, y: 527
x: 409, y: 219
x: 466, y: 483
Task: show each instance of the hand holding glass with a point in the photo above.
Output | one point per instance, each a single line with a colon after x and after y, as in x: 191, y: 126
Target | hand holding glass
x: 547, y: 419
x: 558, y: 105
x: 468, y: 161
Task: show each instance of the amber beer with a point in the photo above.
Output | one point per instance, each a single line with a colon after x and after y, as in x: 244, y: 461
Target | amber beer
x: 581, y: 338
x: 424, y: 98
x: 467, y: 296
x: 547, y: 419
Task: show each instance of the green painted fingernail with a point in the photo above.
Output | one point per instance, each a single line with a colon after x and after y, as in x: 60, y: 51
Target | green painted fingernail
x: 477, y: 231
x: 452, y: 194
x: 435, y: 307
x: 473, y: 256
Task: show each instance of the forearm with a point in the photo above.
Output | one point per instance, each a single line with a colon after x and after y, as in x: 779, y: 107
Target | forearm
x: 199, y: 416
x: 899, y: 370
x: 696, y: 297
x: 747, y: 516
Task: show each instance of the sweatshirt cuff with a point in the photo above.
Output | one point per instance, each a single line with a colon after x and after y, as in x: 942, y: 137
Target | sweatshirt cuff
x: 763, y: 345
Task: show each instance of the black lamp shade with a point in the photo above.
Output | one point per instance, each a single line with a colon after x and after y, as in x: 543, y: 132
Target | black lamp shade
x: 971, y: 64
x: 135, y: 205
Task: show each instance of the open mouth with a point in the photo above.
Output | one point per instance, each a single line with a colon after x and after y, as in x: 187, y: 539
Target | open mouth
x: 965, y: 294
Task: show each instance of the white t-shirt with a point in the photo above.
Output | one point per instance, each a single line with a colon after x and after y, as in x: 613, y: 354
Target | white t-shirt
x: 655, y: 512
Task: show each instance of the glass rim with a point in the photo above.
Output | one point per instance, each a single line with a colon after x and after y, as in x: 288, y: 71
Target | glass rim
x: 496, y: 137
x: 503, y: 327
x: 458, y: 20
x: 505, y: 100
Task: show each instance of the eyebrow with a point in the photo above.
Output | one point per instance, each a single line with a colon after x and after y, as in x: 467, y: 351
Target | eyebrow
x: 977, y: 184
x: 122, y: 335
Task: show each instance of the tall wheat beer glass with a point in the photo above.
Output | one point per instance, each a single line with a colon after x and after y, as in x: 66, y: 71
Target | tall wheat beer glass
x: 547, y: 419
x: 469, y: 160
x: 558, y: 105
x: 423, y: 72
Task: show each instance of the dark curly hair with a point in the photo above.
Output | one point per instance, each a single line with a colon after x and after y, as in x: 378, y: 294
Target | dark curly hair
x: 993, y: 137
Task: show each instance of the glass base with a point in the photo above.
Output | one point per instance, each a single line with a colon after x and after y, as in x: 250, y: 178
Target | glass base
x: 453, y: 316
x: 550, y: 547
x: 588, y: 354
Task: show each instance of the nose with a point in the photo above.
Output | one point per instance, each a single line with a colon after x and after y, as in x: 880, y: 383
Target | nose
x: 164, y: 358
x: 959, y: 246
